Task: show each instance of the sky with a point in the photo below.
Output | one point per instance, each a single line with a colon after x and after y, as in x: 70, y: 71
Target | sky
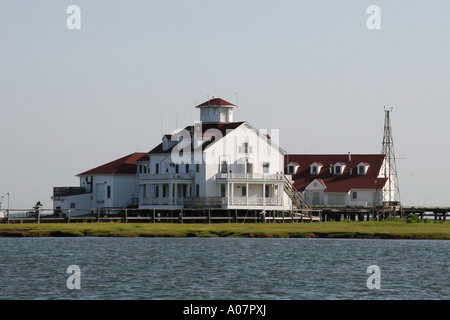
x: 74, y: 99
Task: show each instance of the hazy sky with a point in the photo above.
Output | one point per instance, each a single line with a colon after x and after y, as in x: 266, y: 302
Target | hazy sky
x: 71, y: 100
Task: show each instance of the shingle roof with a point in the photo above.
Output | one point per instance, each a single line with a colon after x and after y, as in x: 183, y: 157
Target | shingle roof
x: 124, y: 165
x: 338, y: 183
x: 215, y: 102
x: 224, y: 129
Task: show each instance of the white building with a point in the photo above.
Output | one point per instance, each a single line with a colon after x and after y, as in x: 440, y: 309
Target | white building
x: 220, y: 163
x: 216, y: 163
x: 112, y: 185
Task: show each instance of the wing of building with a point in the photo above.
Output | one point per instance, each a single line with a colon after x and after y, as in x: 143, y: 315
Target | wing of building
x: 338, y: 179
x: 112, y: 185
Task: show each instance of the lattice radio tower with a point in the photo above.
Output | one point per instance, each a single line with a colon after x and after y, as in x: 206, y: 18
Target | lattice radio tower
x: 391, y: 191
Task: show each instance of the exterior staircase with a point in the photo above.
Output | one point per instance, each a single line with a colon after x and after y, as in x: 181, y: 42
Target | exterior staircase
x: 299, y: 204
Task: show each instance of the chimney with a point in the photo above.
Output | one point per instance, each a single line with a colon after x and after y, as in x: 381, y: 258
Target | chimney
x: 349, y: 157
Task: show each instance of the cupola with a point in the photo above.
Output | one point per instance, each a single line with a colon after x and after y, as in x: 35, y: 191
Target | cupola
x: 216, y: 110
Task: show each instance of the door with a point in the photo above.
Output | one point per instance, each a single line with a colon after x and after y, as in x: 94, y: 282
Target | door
x: 101, y: 194
x: 336, y: 199
x: 316, y: 198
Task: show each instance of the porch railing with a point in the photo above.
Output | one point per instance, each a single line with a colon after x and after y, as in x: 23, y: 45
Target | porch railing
x: 213, y: 201
x: 249, y: 176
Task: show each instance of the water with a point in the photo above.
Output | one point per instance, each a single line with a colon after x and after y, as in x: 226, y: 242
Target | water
x: 223, y: 268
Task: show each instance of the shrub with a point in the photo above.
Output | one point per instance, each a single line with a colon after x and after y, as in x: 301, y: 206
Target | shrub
x: 412, y: 218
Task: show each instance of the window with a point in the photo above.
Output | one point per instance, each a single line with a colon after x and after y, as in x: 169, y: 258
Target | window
x: 222, y: 190
x: 156, y: 191
x: 361, y: 170
x: 197, y: 167
x: 72, y: 205
x: 266, y: 191
x: 164, y: 190
x: 177, y: 168
x: 245, y: 148
x: 244, y: 191
x: 156, y: 167
x: 224, y: 167
x: 197, y: 190
x: 291, y: 169
x: 266, y: 167
x: 144, y: 191
x: 108, y: 192
x: 216, y: 110
x: 354, y: 195
x: 314, y: 169
x: 187, y: 168
x: 339, y: 168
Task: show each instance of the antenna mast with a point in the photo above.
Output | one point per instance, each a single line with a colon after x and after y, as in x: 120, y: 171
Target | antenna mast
x: 391, y: 190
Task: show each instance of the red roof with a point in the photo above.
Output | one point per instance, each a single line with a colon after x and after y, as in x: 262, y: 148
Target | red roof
x: 338, y: 183
x: 125, y: 165
x: 223, y: 127
x: 215, y: 102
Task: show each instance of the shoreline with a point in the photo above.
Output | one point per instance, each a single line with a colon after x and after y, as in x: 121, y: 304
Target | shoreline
x: 326, y: 230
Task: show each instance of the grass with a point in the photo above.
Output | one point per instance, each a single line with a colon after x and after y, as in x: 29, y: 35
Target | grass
x: 342, y: 229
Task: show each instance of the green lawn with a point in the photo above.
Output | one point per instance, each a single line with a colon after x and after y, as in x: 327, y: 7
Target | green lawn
x: 343, y: 229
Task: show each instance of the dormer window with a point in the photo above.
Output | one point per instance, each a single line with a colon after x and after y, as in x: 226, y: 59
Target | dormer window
x: 315, y: 168
x: 362, y: 168
x: 292, y: 167
x: 339, y: 168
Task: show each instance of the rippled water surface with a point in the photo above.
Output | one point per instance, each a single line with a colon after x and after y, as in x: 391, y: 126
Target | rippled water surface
x: 223, y: 268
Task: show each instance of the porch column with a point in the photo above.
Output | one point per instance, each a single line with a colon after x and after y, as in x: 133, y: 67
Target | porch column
x: 176, y: 194
x: 232, y: 192
x: 246, y: 193
x: 280, y: 193
x: 264, y: 193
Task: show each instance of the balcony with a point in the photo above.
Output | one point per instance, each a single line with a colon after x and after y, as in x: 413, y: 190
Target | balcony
x: 166, y: 176
x: 255, y: 201
x: 249, y: 176
x: 68, y: 191
x: 213, y: 201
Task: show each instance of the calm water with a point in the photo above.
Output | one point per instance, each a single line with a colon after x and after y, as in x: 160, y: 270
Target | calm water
x: 222, y: 268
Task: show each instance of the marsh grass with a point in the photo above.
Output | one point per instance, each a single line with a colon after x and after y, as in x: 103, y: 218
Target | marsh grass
x: 343, y: 229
